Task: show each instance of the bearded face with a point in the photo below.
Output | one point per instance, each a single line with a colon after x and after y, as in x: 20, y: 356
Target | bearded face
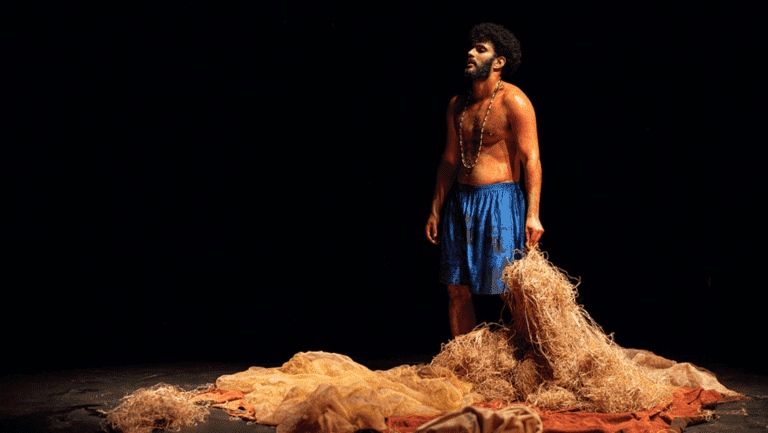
x: 480, y: 71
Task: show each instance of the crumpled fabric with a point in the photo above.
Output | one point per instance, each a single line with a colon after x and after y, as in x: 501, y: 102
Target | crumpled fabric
x: 330, y: 409
x: 324, y: 392
x: 328, y: 392
x: 679, y: 373
x: 686, y: 408
x: 471, y: 419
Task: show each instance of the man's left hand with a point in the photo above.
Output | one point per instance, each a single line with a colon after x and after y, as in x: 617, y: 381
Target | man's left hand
x: 533, y: 231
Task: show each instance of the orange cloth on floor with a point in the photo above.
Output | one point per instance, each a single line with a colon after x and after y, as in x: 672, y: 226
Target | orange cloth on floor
x: 685, y: 409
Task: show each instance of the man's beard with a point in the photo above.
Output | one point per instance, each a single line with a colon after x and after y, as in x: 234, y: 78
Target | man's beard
x: 481, y: 72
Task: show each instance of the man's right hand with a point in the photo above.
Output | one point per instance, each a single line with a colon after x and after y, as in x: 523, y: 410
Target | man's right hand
x: 432, y: 229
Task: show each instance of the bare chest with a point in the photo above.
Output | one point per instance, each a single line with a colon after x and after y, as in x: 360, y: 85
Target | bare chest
x: 478, y: 123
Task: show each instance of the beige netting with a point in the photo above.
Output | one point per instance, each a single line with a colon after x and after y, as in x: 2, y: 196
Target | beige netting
x: 333, y: 385
x: 554, y: 356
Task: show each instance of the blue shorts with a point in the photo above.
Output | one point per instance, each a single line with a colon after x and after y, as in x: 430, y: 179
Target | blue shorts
x: 482, y: 226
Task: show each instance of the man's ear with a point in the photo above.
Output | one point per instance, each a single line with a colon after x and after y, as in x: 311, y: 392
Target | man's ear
x: 499, y: 62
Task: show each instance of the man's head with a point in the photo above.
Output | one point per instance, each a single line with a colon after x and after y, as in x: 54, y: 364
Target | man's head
x: 503, y: 44
x: 481, y: 61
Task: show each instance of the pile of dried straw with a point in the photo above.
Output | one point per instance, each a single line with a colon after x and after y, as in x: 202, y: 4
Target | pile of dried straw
x: 161, y: 406
x: 554, y: 355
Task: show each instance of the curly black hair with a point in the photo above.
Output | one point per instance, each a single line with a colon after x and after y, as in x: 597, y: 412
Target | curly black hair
x: 505, y: 44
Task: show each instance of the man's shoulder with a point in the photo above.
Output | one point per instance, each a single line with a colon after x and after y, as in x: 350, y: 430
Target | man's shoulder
x: 511, y: 91
x: 514, y: 97
x: 455, y: 102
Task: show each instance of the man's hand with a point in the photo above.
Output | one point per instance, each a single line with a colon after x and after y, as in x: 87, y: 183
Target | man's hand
x: 533, y: 231
x: 432, y: 229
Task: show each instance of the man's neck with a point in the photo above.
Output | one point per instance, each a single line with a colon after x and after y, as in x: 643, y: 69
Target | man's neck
x: 483, y: 89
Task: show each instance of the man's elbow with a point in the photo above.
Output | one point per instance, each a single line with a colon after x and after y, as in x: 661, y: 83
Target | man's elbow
x: 449, y: 162
x: 531, y: 159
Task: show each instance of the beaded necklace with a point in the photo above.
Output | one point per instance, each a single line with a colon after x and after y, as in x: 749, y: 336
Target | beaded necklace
x: 482, y: 128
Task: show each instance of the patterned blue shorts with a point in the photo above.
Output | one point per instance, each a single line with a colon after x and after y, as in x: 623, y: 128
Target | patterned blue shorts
x: 482, y: 226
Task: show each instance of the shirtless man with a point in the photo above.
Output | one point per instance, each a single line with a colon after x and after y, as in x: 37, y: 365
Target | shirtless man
x: 477, y: 193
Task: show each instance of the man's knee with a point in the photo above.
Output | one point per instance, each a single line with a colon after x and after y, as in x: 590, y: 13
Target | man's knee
x: 459, y: 293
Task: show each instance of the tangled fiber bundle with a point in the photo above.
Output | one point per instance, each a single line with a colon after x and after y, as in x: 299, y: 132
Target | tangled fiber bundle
x: 161, y: 406
x: 485, y: 359
x: 556, y: 356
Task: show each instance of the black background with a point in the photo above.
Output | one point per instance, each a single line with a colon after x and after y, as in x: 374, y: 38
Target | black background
x: 192, y: 181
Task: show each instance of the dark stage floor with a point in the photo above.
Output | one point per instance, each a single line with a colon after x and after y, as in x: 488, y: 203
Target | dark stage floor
x: 68, y: 401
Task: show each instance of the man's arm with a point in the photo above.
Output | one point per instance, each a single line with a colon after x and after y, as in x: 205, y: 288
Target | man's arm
x: 523, y: 121
x: 446, y: 174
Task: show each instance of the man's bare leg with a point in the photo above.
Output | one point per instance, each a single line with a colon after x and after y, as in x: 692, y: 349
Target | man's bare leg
x: 506, y: 297
x: 461, y: 310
